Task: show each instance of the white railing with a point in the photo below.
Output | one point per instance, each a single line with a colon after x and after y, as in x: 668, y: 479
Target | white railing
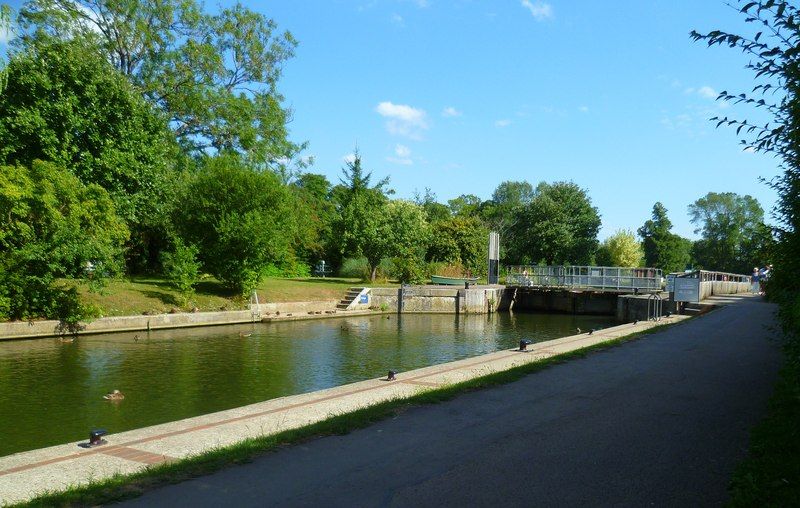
x: 605, y: 278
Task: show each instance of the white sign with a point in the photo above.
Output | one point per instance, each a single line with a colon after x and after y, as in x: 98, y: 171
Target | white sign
x: 687, y: 290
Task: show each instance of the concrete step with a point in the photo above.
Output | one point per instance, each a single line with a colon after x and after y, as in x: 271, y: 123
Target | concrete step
x: 342, y: 306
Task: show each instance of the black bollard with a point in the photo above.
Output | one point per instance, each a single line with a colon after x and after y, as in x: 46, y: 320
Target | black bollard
x: 96, y: 437
x: 391, y: 376
x: 523, y: 344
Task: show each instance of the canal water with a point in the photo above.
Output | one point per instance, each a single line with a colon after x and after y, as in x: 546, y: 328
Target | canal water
x: 52, y: 392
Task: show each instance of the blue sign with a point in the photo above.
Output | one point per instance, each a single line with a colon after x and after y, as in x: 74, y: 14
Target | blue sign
x: 364, y: 298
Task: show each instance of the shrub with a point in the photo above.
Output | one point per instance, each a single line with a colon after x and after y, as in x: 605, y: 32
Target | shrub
x: 182, y: 268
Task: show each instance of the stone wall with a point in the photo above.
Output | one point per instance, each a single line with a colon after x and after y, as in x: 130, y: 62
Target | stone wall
x: 34, y: 329
x: 438, y: 299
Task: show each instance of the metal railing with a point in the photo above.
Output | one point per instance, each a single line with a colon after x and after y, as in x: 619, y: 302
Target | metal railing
x: 605, y: 278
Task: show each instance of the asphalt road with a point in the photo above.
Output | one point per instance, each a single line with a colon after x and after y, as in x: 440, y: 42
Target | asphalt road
x: 659, y: 421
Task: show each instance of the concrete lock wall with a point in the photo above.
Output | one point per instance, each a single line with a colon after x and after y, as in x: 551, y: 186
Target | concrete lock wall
x: 49, y: 328
x: 564, y: 301
x: 446, y: 300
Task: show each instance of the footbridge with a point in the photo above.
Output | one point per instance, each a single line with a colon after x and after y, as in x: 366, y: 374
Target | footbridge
x: 605, y: 279
x: 629, y: 293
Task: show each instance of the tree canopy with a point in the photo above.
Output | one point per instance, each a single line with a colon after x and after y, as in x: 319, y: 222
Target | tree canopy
x: 620, y: 249
x: 662, y: 248
x: 731, y: 226
x: 559, y: 225
x: 215, y: 76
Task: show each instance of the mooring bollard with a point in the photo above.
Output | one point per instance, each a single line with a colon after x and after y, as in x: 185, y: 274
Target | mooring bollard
x: 391, y: 376
x: 96, y: 437
x: 523, y: 344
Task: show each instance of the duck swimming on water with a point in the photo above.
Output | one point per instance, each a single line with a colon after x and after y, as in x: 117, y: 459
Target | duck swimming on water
x: 114, y: 395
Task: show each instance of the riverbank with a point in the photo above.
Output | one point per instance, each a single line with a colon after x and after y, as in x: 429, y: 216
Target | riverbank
x: 202, y: 440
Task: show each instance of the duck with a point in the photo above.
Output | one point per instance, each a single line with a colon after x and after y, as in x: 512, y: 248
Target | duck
x: 67, y: 340
x: 242, y: 334
x: 136, y: 338
x: 114, y: 395
x: 579, y: 330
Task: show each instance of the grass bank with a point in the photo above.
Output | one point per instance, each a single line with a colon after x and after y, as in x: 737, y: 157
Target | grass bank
x: 137, y: 295
x: 770, y: 475
x: 123, y: 487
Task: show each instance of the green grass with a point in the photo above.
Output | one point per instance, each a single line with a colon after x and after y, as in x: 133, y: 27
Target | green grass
x: 137, y: 295
x: 122, y: 487
x: 770, y: 475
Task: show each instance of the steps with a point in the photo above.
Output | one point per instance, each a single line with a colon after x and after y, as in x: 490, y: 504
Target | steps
x: 352, y: 294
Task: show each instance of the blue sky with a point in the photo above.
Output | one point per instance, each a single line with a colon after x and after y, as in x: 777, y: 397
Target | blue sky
x: 459, y: 96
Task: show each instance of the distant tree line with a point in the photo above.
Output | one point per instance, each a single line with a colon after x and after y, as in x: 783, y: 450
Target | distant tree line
x: 140, y: 137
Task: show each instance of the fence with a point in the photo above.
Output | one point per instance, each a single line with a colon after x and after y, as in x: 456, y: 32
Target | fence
x: 604, y: 278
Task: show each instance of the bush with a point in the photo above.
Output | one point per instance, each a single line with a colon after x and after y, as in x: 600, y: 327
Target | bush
x: 358, y: 268
x: 182, y: 268
x: 241, y: 220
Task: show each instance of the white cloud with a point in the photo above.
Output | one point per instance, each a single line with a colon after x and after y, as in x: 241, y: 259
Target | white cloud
x: 505, y: 122
x: 583, y: 109
x: 402, y: 151
x: 398, y: 20
x: 707, y: 92
x: 539, y: 10
x: 403, y: 120
x: 5, y: 35
x: 349, y: 158
x: 450, y: 112
x: 402, y: 155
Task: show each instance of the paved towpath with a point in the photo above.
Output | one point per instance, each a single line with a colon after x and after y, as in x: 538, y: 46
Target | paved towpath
x: 659, y: 421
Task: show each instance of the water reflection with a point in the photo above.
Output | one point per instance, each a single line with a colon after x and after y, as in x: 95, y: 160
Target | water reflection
x: 51, y: 392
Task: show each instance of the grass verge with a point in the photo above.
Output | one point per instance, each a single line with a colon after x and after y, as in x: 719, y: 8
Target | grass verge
x: 121, y: 487
x: 770, y: 475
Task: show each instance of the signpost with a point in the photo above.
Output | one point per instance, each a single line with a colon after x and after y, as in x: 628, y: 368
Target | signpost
x: 687, y: 289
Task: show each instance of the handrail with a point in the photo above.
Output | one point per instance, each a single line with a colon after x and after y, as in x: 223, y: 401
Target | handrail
x: 609, y: 278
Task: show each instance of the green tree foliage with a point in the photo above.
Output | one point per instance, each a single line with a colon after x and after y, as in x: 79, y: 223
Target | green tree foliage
x: 465, y: 205
x: 54, y: 228
x: 241, y: 220
x: 66, y: 105
x: 460, y: 240
x: 182, y: 268
x: 620, y: 249
x: 316, y: 213
x: 499, y: 213
x: 214, y: 75
x: 662, y: 248
x: 5, y: 26
x: 360, y: 208
x: 402, y: 235
x: 434, y: 211
x: 559, y: 225
x: 732, y: 229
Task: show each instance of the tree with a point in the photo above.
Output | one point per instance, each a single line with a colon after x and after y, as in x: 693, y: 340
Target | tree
x: 242, y: 221
x: 506, y: 198
x: 459, y: 240
x: 434, y: 211
x: 401, y: 233
x: 360, y: 207
x: 465, y: 205
x: 729, y: 224
x: 66, y: 105
x: 662, y: 248
x: 559, y: 225
x: 5, y: 25
x: 620, y: 249
x: 54, y: 228
x: 214, y: 75
x: 316, y: 212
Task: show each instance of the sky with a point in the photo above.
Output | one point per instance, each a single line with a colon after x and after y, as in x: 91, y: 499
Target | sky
x: 458, y: 96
